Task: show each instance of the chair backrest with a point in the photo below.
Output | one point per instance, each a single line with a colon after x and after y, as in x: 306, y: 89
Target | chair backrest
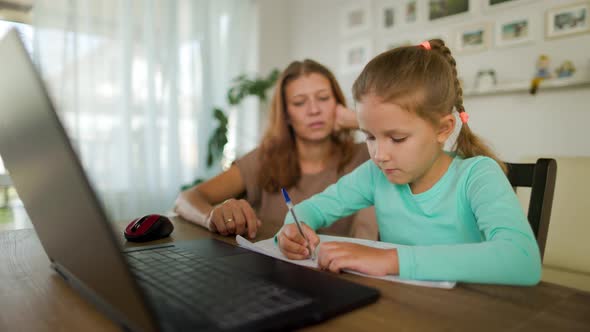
x: 540, y: 177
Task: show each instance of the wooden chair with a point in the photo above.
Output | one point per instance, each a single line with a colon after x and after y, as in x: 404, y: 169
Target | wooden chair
x: 540, y: 177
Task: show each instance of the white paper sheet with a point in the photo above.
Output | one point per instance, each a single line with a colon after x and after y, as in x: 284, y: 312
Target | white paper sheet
x: 269, y: 248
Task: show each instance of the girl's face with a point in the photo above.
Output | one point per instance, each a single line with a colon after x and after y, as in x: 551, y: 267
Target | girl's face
x: 311, y: 107
x: 403, y: 145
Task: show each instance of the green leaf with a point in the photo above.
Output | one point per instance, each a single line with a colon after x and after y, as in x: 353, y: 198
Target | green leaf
x: 242, y: 87
x: 218, y: 138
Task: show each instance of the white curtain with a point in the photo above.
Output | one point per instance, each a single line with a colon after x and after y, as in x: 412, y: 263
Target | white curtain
x: 135, y: 83
x: 27, y: 35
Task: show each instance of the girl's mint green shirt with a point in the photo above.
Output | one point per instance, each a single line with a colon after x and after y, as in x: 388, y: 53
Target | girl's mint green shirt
x: 468, y: 227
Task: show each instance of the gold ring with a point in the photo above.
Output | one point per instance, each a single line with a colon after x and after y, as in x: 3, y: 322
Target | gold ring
x: 228, y: 220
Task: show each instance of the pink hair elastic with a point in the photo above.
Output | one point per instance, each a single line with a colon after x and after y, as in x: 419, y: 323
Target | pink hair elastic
x: 464, y: 117
x: 426, y: 45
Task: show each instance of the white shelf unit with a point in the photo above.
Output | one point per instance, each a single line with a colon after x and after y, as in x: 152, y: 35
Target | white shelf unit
x: 524, y: 86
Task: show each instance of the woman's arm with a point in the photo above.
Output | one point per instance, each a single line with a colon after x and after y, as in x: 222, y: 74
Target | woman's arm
x: 211, y: 204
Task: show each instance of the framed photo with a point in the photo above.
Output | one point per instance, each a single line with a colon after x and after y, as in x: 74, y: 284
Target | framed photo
x: 355, y: 55
x: 410, y: 11
x: 387, y: 15
x: 473, y: 38
x: 356, y: 18
x: 514, y: 31
x: 443, y: 8
x: 502, y: 4
x: 498, y: 2
x: 567, y: 20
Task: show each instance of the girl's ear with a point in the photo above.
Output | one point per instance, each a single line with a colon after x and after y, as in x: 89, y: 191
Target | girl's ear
x: 446, y: 127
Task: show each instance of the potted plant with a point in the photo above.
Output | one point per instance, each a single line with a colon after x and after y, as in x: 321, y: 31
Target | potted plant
x: 241, y: 88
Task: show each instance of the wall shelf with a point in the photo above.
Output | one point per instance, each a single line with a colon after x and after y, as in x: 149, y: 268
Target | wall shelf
x: 524, y: 87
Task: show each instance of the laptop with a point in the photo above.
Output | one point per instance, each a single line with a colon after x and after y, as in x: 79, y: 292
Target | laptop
x: 199, y: 285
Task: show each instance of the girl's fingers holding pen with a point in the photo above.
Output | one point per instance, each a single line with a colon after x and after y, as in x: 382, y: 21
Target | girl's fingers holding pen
x: 292, y: 249
x: 311, y: 235
x: 292, y: 232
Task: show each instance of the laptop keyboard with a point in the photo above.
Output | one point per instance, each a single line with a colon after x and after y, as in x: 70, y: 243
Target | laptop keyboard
x: 205, y: 289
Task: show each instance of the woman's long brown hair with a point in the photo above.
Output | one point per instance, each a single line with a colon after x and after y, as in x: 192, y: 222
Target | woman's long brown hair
x: 278, y: 151
x: 423, y: 81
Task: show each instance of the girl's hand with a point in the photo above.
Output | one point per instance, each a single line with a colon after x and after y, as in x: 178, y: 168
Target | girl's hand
x: 336, y: 256
x: 234, y: 217
x: 344, y: 118
x: 293, y: 245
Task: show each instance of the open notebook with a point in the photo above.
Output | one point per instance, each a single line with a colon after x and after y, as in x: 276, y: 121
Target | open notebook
x: 269, y: 248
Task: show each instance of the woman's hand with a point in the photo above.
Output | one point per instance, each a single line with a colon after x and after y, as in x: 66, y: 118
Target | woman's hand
x: 337, y: 256
x: 233, y: 217
x: 344, y: 118
x: 293, y: 245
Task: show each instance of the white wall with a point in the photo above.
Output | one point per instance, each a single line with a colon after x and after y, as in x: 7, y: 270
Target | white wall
x: 274, y: 35
x: 518, y: 126
x: 273, y: 52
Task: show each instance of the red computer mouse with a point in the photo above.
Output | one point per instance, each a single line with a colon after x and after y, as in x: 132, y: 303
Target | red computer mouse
x: 148, y: 228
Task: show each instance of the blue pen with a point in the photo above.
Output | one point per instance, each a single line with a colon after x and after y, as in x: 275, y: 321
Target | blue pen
x: 290, y: 206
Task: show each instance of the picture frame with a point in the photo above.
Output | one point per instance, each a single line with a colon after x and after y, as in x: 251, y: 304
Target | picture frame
x: 387, y: 15
x: 356, y: 18
x: 564, y: 21
x: 473, y: 38
x: 354, y: 55
x: 514, y: 30
x: 410, y: 11
x: 438, y: 9
x: 502, y: 4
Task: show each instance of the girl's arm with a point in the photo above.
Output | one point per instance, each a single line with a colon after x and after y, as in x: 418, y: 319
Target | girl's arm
x: 351, y: 193
x: 509, y: 253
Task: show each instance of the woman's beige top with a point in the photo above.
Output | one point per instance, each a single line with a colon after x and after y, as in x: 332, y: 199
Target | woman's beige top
x: 271, y: 208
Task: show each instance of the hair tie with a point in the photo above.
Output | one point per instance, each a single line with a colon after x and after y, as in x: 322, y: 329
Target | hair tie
x: 426, y: 45
x: 464, y: 117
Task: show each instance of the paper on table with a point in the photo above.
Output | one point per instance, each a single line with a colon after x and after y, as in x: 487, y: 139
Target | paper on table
x: 269, y: 248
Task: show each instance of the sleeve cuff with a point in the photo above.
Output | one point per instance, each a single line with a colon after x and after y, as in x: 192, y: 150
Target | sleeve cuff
x: 276, y: 237
x: 406, y: 262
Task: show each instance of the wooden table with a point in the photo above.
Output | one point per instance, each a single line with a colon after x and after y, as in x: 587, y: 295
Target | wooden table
x: 34, y: 298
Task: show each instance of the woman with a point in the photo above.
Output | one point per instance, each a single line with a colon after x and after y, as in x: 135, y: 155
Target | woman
x: 307, y: 146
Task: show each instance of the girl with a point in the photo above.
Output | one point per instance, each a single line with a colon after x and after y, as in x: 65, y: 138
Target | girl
x: 455, y: 216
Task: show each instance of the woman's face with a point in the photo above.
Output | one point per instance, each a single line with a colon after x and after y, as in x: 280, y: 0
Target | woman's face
x: 311, y: 107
